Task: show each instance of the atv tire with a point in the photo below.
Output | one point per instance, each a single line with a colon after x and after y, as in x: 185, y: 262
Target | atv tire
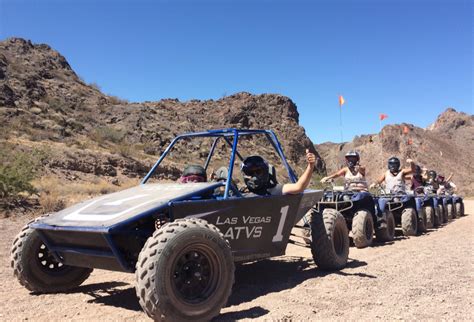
x: 185, y: 271
x: 438, y: 216
x: 422, y: 221
x: 444, y: 214
x: 450, y: 212
x: 459, y: 209
x: 37, y: 269
x: 362, y: 229
x: 386, y: 234
x: 330, y: 239
x: 430, y: 217
x: 409, y: 222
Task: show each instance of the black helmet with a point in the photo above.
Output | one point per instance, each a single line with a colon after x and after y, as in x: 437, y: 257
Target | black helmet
x: 255, y: 171
x: 432, y: 174
x: 352, y: 158
x: 394, y: 164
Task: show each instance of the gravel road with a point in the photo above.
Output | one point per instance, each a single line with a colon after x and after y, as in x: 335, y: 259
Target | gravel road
x: 424, y: 277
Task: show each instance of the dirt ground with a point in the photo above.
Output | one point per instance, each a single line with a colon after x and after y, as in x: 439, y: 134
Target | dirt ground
x: 424, y: 277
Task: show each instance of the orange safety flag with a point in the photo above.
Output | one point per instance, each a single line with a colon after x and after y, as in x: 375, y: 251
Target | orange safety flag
x: 383, y: 116
x: 341, y: 100
x: 406, y: 130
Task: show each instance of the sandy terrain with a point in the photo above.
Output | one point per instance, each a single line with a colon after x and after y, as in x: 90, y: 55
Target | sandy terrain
x: 424, y: 277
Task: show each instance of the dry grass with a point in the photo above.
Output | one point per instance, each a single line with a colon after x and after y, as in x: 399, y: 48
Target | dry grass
x: 56, y: 194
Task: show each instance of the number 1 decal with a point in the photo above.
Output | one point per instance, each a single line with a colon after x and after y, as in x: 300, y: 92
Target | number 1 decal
x: 278, y: 236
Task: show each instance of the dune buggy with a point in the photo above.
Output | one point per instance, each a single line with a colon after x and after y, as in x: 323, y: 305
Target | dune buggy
x: 180, y: 239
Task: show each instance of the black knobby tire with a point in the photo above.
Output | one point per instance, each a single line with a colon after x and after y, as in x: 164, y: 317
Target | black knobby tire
x: 185, y: 271
x: 37, y: 270
x: 444, y: 214
x: 409, y: 222
x: 438, y: 216
x: 386, y: 234
x: 422, y: 221
x: 459, y: 209
x: 450, y: 212
x: 362, y: 229
x: 329, y: 239
x: 430, y: 217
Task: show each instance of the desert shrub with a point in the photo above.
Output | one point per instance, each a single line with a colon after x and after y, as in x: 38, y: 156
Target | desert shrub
x: 17, y: 170
x: 124, y: 149
x: 110, y: 134
x: 115, y: 100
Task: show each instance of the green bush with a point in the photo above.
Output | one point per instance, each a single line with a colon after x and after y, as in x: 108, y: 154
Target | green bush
x: 17, y: 170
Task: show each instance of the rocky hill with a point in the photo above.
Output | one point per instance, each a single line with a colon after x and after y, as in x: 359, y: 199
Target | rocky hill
x: 43, y: 102
x: 445, y: 146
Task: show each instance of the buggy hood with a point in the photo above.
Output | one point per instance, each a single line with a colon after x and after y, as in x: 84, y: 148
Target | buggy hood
x: 113, y: 208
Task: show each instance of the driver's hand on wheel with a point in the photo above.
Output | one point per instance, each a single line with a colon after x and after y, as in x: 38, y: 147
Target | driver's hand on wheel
x: 324, y: 180
x: 372, y: 186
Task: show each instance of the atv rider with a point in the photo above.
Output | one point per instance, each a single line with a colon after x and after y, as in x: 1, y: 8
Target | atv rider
x: 259, y: 180
x: 417, y: 180
x: 394, y: 177
x: 354, y: 173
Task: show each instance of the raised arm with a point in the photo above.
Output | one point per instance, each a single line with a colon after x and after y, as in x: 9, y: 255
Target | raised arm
x: 411, y: 169
x: 303, y: 181
x: 336, y: 174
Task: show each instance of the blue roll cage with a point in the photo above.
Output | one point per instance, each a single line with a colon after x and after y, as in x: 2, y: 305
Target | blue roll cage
x: 226, y: 134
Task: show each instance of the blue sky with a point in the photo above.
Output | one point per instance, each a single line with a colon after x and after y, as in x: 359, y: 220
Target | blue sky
x: 408, y: 59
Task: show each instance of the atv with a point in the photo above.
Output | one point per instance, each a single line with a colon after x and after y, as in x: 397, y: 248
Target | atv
x: 440, y: 215
x: 359, y: 211
x: 181, y: 240
x: 403, y: 208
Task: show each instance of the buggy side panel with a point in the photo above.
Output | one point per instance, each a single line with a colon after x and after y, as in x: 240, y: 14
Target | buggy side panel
x: 256, y: 227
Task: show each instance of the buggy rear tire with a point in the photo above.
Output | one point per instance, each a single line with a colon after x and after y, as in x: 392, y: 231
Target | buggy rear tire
x: 422, y: 221
x: 185, y: 271
x: 459, y: 209
x: 329, y: 239
x: 386, y: 234
x: 36, y: 268
x: 409, y: 222
x: 362, y: 229
x: 430, y: 217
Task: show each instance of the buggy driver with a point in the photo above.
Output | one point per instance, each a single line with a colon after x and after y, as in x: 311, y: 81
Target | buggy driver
x: 260, y: 181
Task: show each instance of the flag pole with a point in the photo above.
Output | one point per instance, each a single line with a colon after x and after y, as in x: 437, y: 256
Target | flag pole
x: 340, y: 122
x: 380, y: 138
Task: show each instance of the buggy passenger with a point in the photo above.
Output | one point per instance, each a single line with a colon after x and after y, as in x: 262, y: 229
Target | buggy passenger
x: 193, y: 173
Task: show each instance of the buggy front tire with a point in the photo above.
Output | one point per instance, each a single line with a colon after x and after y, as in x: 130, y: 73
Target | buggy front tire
x: 362, y: 229
x: 329, y: 239
x: 387, y: 233
x: 38, y: 270
x: 185, y: 271
x: 409, y: 222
